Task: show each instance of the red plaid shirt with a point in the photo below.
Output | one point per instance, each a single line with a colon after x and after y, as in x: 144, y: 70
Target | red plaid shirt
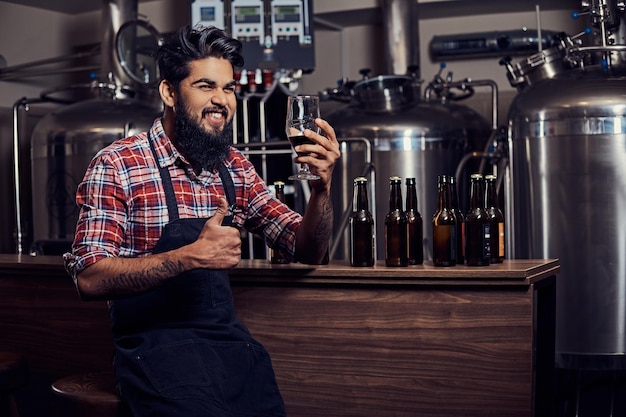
x: 123, y: 209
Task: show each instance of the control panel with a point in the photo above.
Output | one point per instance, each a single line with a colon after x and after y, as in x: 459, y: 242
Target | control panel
x: 276, y: 34
x: 289, y: 18
x: 247, y: 20
x: 208, y: 13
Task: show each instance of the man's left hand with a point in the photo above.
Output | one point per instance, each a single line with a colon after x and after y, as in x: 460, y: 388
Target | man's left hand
x: 322, y: 155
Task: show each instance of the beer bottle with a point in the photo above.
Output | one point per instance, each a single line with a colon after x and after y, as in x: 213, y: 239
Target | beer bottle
x: 496, y: 220
x: 460, y: 221
x: 415, y: 228
x: 477, y: 233
x: 444, y: 227
x: 395, y: 226
x: 279, y: 191
x: 361, y: 226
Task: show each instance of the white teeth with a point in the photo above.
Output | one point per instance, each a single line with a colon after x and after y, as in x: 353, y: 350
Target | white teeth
x: 216, y: 115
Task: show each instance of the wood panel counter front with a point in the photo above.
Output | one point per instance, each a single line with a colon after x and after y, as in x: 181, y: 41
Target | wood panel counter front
x: 353, y: 342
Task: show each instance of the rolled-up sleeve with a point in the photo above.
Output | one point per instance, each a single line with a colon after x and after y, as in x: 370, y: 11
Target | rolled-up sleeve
x: 102, y: 217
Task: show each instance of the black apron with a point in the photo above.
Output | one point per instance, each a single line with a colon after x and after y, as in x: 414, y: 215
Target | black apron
x: 179, y: 348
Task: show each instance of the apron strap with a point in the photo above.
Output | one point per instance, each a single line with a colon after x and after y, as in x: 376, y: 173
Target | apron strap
x: 229, y: 187
x: 166, y: 181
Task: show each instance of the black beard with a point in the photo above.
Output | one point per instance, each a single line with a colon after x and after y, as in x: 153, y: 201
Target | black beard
x: 203, y: 150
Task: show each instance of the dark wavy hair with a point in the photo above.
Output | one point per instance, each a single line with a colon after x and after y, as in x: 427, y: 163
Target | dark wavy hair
x: 192, y: 43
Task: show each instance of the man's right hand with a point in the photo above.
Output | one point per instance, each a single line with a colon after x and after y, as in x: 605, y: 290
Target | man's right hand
x: 218, y: 247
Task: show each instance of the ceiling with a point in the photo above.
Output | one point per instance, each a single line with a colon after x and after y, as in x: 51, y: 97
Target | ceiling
x: 63, y: 6
x: 457, y: 7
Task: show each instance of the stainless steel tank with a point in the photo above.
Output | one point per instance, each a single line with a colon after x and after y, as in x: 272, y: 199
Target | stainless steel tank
x: 63, y: 143
x: 567, y: 144
x: 392, y: 128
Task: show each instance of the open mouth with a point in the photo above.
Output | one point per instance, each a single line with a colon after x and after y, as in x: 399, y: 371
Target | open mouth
x: 215, y: 116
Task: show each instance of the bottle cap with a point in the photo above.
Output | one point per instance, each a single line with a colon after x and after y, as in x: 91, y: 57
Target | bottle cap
x: 395, y: 178
x: 360, y: 179
x: 490, y: 177
x: 279, y: 183
x: 476, y: 176
x: 410, y: 180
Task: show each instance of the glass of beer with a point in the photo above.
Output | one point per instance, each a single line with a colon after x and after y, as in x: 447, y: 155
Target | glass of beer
x: 302, y: 110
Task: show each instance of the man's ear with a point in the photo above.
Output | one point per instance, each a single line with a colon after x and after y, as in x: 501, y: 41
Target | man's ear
x: 168, y: 95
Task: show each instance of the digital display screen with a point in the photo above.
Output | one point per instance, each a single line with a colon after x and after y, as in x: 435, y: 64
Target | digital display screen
x: 207, y: 14
x: 287, y: 13
x: 250, y: 14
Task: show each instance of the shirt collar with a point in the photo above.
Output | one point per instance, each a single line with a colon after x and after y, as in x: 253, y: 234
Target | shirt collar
x: 166, y: 151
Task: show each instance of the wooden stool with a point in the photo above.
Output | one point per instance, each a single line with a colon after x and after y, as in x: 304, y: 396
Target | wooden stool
x: 13, y: 375
x: 89, y: 395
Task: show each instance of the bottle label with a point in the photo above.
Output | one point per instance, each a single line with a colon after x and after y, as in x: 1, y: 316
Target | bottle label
x: 501, y: 239
x: 487, y: 241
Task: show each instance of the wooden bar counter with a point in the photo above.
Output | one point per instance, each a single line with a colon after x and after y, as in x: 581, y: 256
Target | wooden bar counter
x: 345, y: 342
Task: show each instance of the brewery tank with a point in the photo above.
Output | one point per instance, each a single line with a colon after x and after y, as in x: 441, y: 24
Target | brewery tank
x: 405, y: 135
x: 567, y: 150
x: 62, y: 145
x: 64, y: 141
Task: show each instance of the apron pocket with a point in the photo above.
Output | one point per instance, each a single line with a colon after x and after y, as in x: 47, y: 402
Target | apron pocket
x: 177, y: 370
x: 235, y: 376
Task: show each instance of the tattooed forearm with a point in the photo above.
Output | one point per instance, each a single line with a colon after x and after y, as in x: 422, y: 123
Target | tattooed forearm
x: 313, y: 235
x: 323, y: 229
x: 133, y: 282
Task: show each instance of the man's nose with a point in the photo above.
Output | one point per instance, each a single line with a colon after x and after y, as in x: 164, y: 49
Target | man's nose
x: 219, y: 97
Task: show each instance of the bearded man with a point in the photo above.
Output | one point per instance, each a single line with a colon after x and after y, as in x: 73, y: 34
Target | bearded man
x: 158, y: 232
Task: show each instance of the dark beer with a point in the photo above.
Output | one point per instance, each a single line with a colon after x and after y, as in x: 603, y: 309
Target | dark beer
x: 395, y: 227
x: 496, y: 220
x: 444, y: 227
x: 361, y: 226
x: 415, y: 227
x: 300, y: 140
x: 275, y: 256
x: 477, y: 227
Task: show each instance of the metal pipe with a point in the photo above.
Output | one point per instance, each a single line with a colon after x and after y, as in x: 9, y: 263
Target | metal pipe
x: 468, y: 83
x: 262, y: 127
x: 494, y: 99
x: 20, y: 67
x: 368, y: 169
x: 401, y: 31
x: 19, y: 233
x: 114, y: 14
x: 538, y: 16
x: 44, y: 72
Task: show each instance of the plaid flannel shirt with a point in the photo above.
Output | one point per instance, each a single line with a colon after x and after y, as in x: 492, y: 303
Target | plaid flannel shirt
x: 123, y: 209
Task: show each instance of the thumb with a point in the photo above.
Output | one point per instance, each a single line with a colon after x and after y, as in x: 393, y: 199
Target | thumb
x: 222, y: 211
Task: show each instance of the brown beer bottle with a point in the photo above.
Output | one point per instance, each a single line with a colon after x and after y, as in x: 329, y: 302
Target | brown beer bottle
x: 361, y: 226
x: 415, y: 227
x: 395, y: 226
x: 279, y: 191
x: 444, y: 227
x: 496, y: 220
x: 477, y: 233
x: 460, y: 221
